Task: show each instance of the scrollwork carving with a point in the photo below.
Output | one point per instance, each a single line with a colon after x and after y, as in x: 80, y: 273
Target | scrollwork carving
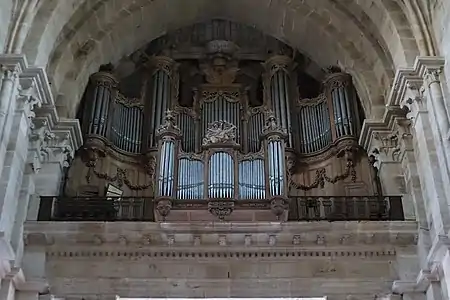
x: 129, y: 102
x: 221, y: 209
x: 213, y: 95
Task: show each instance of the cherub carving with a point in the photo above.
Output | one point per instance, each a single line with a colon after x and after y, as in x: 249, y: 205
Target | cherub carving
x: 219, y: 132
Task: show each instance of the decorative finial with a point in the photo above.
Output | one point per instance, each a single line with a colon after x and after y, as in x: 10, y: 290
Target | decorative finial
x: 169, y: 125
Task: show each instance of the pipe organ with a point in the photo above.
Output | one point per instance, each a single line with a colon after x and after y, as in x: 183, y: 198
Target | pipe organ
x: 223, y: 123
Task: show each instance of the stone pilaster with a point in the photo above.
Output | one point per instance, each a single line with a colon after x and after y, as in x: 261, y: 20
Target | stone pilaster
x: 391, y: 145
x: 34, y: 146
x: 418, y: 141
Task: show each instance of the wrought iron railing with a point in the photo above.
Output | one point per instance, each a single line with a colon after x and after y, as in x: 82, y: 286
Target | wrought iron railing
x: 372, y: 208
x: 96, y: 209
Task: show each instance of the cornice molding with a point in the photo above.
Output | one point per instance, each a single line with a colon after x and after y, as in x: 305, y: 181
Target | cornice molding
x: 52, y: 139
x: 407, y: 83
x: 211, y: 236
x: 199, y: 254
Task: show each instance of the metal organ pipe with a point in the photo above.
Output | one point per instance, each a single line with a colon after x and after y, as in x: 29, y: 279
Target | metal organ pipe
x: 255, y: 125
x: 221, y: 176
x: 275, y: 156
x: 314, y: 124
x: 164, y: 79
x: 100, y: 95
x: 277, y: 69
x: 190, y: 179
x: 344, y: 104
x: 221, y: 108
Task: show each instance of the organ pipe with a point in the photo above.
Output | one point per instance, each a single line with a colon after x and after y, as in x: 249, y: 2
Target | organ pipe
x: 221, y: 176
x: 278, y: 87
x: 275, y: 136
x: 165, y: 86
x: 168, y: 138
x: 314, y: 126
x: 344, y: 105
x: 101, y: 87
x: 221, y: 108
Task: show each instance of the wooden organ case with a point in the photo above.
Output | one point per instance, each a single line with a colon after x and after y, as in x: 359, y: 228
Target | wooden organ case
x: 217, y: 126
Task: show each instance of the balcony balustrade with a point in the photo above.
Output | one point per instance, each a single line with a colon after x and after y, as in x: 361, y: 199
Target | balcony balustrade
x: 141, y: 209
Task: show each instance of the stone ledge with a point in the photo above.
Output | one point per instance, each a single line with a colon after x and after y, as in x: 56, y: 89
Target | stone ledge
x: 221, y: 235
x: 187, y: 288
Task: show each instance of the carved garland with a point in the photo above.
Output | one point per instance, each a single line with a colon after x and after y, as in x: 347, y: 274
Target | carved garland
x: 322, y: 177
x: 121, y: 178
x: 121, y: 175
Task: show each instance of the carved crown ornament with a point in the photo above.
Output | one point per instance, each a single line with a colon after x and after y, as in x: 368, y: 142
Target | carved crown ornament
x: 169, y: 128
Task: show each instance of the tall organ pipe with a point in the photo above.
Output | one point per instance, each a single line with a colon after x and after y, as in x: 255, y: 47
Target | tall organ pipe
x: 165, y: 80
x: 344, y: 104
x: 168, y: 143
x: 100, y: 94
x: 275, y: 136
x: 277, y: 83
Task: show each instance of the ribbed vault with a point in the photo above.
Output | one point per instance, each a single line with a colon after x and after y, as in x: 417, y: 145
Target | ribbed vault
x: 368, y: 39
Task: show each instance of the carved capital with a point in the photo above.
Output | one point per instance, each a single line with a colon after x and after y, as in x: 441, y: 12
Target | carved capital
x: 165, y: 64
x: 414, y: 101
x: 386, y: 148
x: 433, y: 74
x: 278, y: 63
x: 337, y: 80
x: 104, y: 79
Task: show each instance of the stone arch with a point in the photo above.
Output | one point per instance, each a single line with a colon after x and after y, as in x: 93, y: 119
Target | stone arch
x: 345, y: 35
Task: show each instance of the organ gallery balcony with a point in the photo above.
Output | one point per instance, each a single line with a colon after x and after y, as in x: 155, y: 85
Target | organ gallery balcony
x: 221, y: 135
x: 141, y: 209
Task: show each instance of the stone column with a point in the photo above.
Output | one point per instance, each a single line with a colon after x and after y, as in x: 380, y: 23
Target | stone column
x: 8, y: 90
x: 16, y: 137
x: 277, y: 90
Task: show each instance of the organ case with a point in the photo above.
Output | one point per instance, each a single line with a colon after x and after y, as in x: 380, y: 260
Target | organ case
x: 198, y: 136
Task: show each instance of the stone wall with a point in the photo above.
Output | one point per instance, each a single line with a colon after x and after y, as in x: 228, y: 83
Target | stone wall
x: 5, y: 16
x: 229, y: 259
x: 373, y: 40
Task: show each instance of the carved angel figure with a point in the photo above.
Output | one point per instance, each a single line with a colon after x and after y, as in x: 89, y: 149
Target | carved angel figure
x: 219, y: 132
